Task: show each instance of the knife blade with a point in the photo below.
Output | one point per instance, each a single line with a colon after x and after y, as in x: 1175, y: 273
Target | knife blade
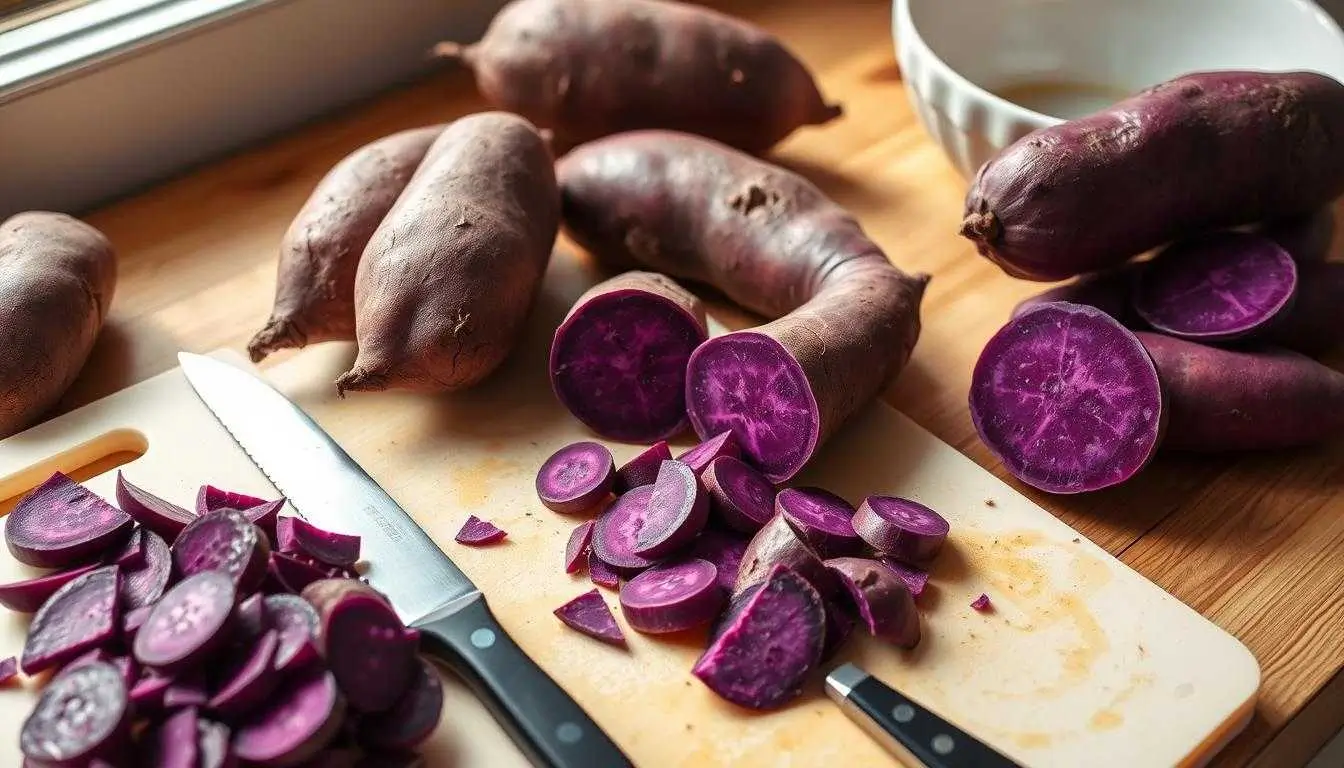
x: 429, y: 592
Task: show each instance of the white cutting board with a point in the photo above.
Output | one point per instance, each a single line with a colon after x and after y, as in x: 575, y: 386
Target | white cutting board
x: 1082, y: 662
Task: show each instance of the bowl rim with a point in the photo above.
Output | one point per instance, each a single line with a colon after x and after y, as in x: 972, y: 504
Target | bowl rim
x: 907, y: 33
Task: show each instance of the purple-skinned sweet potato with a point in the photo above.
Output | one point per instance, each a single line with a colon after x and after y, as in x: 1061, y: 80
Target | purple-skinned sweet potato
x: 677, y: 512
x: 315, y: 280
x: 673, y: 597
x: 28, y: 595
x: 765, y: 649
x: 901, y: 528
x: 449, y: 276
x: 1216, y: 288
x: 412, y: 719
x: 1315, y: 324
x: 778, y: 544
x: 1108, y: 291
x: 1068, y: 399
x: 588, y: 613
x: 62, y: 523
x: 1306, y: 237
x: 642, y: 469
x: 699, y: 456
x: 821, y: 518
x: 223, y: 540
x: 57, y: 278
x: 82, y: 615
x: 592, y: 68
x: 1200, y: 152
x: 739, y: 496
x: 294, y: 535
x: 618, y: 360
x: 158, y: 515
x: 188, y: 624
x: 576, y: 477
x: 880, y: 599
x: 79, y: 717
x: 845, y: 319
x: 1245, y: 399
x: 364, y: 643
x: 294, y: 725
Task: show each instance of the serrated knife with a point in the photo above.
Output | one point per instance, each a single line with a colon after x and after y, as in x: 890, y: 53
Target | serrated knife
x: 427, y: 590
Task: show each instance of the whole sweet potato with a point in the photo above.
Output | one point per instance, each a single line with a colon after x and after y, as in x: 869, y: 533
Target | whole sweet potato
x: 1244, y: 399
x: 315, y: 284
x: 449, y: 276
x: 590, y: 68
x: 846, y: 318
x: 57, y: 278
x: 1201, y: 152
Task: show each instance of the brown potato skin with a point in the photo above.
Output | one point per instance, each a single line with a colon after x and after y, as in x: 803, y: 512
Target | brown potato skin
x: 57, y: 279
x: 447, y: 280
x: 764, y: 236
x: 591, y: 68
x: 1255, y: 398
x: 315, y: 281
x: 1201, y: 152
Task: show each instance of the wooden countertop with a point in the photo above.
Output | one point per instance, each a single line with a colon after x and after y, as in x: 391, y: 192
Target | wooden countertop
x: 1254, y: 542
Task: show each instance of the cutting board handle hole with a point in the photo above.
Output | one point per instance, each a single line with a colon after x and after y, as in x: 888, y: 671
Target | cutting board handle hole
x: 89, y: 459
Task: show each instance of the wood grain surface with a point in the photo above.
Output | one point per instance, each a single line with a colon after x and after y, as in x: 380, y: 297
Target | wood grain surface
x: 1254, y: 542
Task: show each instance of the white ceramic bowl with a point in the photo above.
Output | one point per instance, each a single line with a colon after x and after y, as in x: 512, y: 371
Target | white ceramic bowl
x: 983, y: 73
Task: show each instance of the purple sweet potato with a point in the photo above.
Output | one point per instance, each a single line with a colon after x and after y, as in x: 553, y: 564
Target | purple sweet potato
x: 156, y: 514
x: 148, y: 693
x: 725, y: 551
x: 294, y: 535
x: 1266, y: 142
x: 592, y: 68
x: 131, y: 554
x: 739, y: 496
x: 293, y: 573
x: 265, y: 515
x: 412, y: 719
x: 821, y: 518
x: 982, y: 603
x: 57, y: 278
x: 249, y: 680
x: 1251, y: 399
x: 305, y: 715
x: 698, y: 457
x: 616, y: 534
x: 677, y: 511
x: 212, y: 744
x: 172, y: 743
x: 251, y: 620
x: 642, y: 469
x: 210, y: 499
x: 449, y: 276
x: 78, y: 717
x: 188, y: 624
x: 476, y: 532
x: 223, y: 540
x: 601, y: 574
x: 778, y: 544
x: 1108, y: 291
x: 82, y: 615
x: 673, y: 597
x: 9, y: 669
x: 760, y: 658
x: 915, y: 579
x: 365, y: 644
x: 576, y: 477
x: 1313, y: 325
x: 315, y: 283
x: 144, y: 585
x: 839, y: 626
x: 696, y: 210
x: 62, y: 523
x: 297, y: 624
x: 1219, y: 287
x: 132, y: 620
x: 576, y: 549
x: 1068, y: 399
x: 588, y: 613
x: 28, y: 595
x: 882, y: 601
x: 901, y: 528
x: 1306, y: 237
x: 618, y: 361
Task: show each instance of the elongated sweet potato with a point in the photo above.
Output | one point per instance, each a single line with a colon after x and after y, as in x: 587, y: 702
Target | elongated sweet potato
x: 315, y: 284
x: 450, y: 275
x: 1250, y: 399
x: 1316, y: 323
x: 846, y: 318
x: 591, y: 68
x: 1204, y: 151
x: 57, y: 277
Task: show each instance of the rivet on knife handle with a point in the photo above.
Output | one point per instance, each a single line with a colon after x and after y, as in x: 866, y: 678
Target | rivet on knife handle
x: 551, y: 727
x: 914, y: 734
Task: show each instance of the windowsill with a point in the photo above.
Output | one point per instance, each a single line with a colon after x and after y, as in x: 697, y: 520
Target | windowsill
x: 110, y: 96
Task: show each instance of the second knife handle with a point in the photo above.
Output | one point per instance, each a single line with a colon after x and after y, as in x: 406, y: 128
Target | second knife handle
x: 550, y: 726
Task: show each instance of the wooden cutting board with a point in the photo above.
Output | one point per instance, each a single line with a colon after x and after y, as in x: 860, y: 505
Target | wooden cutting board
x: 1081, y: 662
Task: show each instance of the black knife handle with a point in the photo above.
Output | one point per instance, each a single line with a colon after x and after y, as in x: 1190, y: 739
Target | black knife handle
x: 917, y: 734
x: 550, y: 727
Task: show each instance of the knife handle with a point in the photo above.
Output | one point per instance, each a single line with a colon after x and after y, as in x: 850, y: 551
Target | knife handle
x: 907, y: 729
x: 549, y: 725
